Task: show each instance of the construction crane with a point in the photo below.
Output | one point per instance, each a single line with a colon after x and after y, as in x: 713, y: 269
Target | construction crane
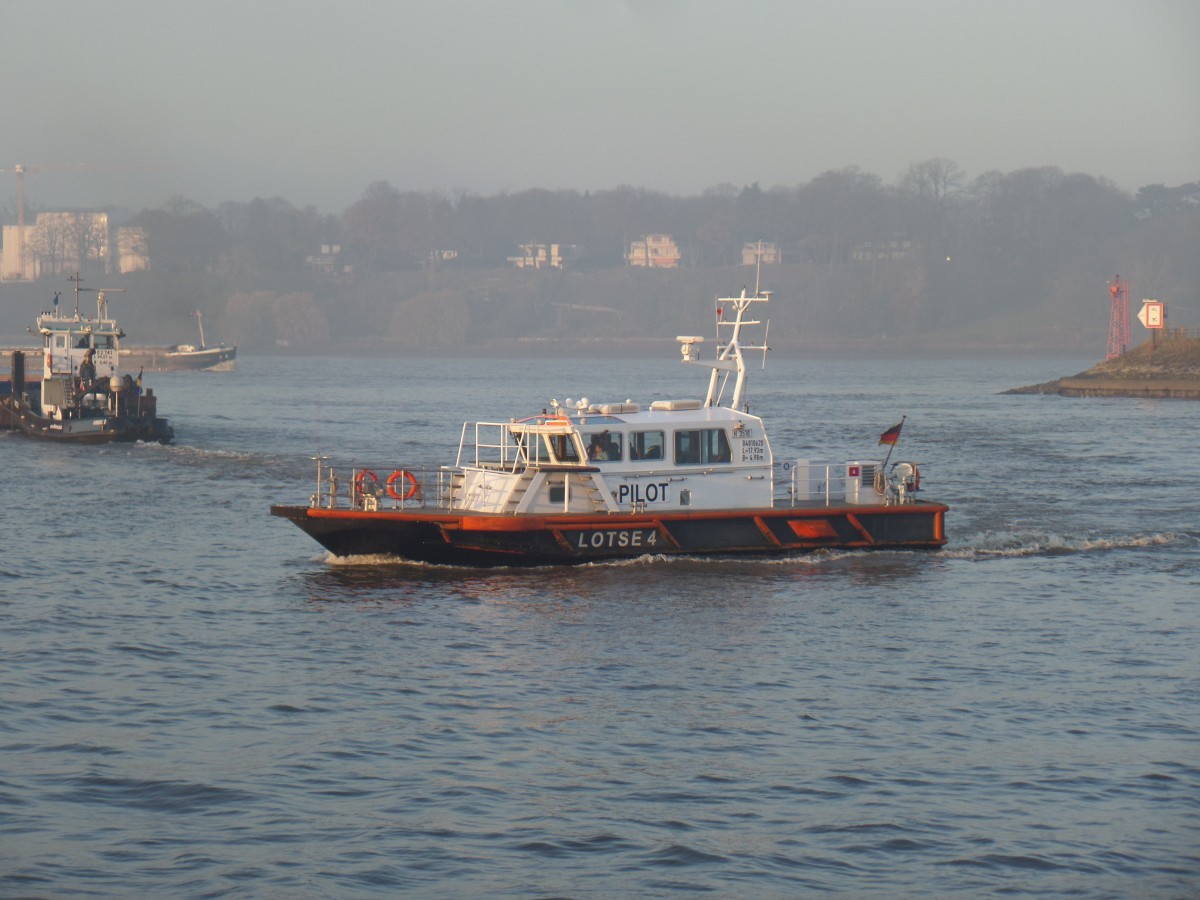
x: 19, y: 170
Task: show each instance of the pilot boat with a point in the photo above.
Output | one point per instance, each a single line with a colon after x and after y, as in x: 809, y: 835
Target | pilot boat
x: 81, y: 397
x: 580, y: 482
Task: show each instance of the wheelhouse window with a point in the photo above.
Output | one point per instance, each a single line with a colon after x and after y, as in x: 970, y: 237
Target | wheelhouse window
x: 602, y: 446
x: 701, y: 446
x: 646, y: 445
x: 562, y: 448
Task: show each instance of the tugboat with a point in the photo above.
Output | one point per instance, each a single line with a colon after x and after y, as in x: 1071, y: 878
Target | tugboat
x: 81, y: 398
x: 581, y: 482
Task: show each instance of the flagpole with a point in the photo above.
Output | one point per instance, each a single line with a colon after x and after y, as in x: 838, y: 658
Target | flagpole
x: 892, y: 445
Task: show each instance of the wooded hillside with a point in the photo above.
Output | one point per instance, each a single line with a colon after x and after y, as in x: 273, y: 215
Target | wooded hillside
x: 1008, y: 261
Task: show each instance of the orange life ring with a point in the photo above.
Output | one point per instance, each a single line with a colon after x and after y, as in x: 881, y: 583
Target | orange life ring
x: 360, y: 479
x: 916, y: 479
x: 408, y: 478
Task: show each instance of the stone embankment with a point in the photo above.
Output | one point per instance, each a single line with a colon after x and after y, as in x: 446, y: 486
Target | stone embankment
x: 1167, y: 368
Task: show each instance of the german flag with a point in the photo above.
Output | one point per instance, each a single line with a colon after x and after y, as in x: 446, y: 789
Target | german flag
x: 892, y: 434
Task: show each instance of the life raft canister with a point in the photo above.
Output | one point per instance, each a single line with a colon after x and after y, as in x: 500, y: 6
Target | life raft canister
x: 409, y: 480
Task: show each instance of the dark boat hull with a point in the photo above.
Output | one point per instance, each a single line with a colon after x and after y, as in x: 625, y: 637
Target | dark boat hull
x: 16, y: 415
x: 471, y: 539
x: 164, y: 359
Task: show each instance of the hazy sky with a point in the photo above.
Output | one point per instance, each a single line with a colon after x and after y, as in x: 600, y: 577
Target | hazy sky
x: 221, y: 100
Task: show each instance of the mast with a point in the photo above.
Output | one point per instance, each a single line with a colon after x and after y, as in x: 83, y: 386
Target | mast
x: 729, y: 351
x: 200, y: 319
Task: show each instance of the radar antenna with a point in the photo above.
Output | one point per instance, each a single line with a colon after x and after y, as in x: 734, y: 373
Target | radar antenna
x: 101, y: 303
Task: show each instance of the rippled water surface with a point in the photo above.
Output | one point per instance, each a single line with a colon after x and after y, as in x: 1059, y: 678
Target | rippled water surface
x: 196, y: 701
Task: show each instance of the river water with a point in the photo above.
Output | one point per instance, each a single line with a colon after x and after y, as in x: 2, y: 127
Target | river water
x: 196, y: 701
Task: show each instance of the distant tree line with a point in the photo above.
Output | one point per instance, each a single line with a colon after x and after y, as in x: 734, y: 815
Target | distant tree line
x: 934, y: 250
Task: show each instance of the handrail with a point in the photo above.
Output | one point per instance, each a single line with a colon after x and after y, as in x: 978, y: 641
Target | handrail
x: 825, y: 484
x: 347, y: 488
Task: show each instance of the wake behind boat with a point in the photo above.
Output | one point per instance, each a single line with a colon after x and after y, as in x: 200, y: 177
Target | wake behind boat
x: 81, y: 397
x: 583, y: 481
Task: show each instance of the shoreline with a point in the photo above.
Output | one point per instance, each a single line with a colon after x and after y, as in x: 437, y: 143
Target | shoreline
x: 1166, y: 369
x: 1150, y: 388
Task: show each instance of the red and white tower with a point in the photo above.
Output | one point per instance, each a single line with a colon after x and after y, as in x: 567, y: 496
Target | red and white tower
x: 1118, y: 319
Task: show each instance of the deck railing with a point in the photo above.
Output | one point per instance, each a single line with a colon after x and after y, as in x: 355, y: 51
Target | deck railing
x: 807, y: 483
x: 405, y: 487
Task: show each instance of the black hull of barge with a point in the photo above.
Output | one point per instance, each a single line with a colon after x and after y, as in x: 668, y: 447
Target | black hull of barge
x: 488, y: 541
x: 16, y: 415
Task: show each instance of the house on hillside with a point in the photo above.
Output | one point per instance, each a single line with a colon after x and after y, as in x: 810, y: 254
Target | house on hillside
x: 757, y: 252
x: 544, y: 256
x: 328, y: 262
x: 883, y: 251
x: 654, y: 251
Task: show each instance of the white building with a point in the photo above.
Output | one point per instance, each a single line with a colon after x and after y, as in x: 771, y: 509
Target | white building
x: 59, y: 242
x: 654, y: 251
x: 761, y: 252
x: 543, y: 256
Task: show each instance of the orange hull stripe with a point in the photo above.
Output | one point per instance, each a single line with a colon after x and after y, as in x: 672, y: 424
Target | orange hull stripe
x: 813, y: 529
